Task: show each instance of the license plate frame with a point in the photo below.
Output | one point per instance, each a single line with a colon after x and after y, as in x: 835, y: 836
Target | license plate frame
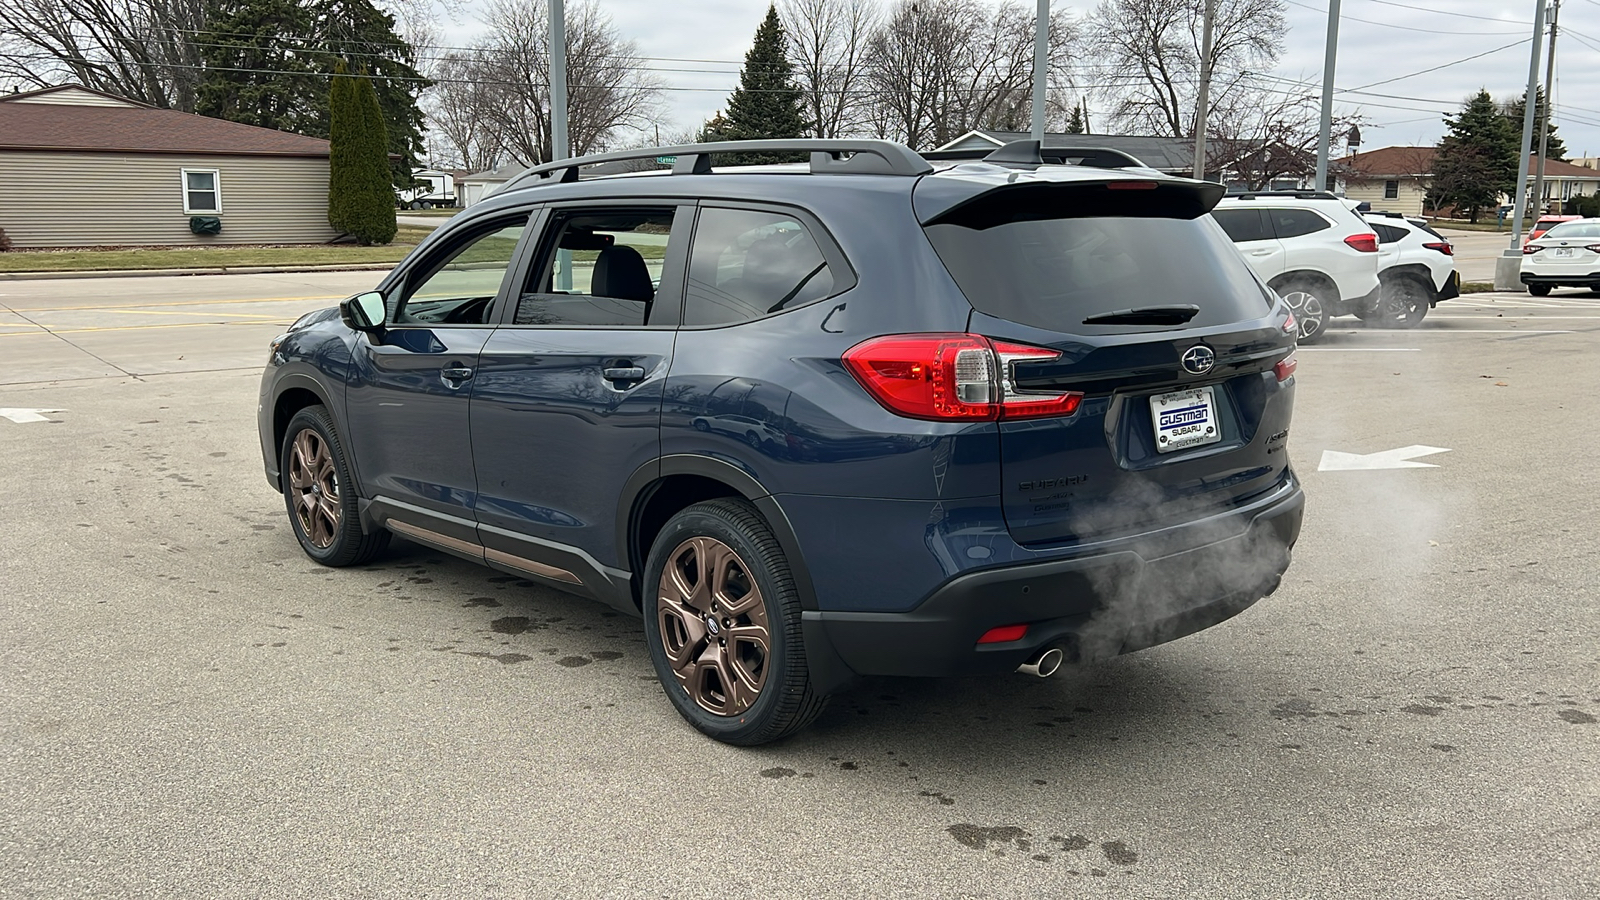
x: 1564, y: 253
x: 1185, y: 419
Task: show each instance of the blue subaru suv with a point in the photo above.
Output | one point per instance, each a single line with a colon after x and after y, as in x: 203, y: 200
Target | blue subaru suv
x: 859, y: 416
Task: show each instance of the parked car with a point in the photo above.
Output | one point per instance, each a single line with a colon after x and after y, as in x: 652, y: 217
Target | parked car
x: 1416, y: 269
x: 1568, y: 255
x: 1310, y: 247
x: 1039, y: 412
x: 1544, y: 224
x: 751, y: 431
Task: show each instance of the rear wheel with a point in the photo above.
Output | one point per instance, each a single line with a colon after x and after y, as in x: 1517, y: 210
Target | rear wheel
x: 1539, y: 290
x: 318, y: 491
x: 1404, y: 303
x: 722, y: 621
x: 1309, y: 306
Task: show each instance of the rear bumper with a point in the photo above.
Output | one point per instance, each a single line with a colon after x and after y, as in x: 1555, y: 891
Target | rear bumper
x: 1091, y: 606
x: 1576, y: 279
x: 1451, y: 289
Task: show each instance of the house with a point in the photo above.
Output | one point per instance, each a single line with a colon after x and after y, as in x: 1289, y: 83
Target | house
x: 478, y: 185
x: 1392, y: 179
x: 1562, y: 181
x: 84, y: 168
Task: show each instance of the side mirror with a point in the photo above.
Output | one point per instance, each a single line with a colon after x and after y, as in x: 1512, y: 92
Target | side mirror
x: 364, y: 312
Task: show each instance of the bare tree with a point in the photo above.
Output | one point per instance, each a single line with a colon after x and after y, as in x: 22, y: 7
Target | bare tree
x: 938, y: 68
x: 140, y: 49
x: 460, y: 135
x: 1264, y: 132
x: 1148, y: 56
x: 828, y: 44
x: 608, y: 88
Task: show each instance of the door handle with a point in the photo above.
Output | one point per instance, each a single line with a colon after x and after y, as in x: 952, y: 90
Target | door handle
x: 623, y: 373
x: 1261, y: 252
x: 452, y: 376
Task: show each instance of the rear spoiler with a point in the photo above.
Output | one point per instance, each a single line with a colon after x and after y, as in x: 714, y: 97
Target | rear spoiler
x: 1034, y: 153
x: 975, y: 205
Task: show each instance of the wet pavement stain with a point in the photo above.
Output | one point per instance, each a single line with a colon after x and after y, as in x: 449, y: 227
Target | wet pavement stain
x: 606, y: 655
x: 778, y: 772
x: 1069, y: 844
x: 1118, y: 853
x: 1576, y: 717
x: 489, y: 602
x: 505, y: 659
x: 511, y: 625
x: 1418, y: 709
x: 943, y: 800
x: 573, y: 662
x: 979, y: 837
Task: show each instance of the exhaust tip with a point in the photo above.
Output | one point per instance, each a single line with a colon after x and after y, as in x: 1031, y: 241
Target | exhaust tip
x: 1043, y: 664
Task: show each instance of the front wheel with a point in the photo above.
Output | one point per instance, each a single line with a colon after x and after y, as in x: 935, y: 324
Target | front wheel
x: 722, y: 621
x: 1539, y: 290
x: 1309, y: 309
x: 319, y: 493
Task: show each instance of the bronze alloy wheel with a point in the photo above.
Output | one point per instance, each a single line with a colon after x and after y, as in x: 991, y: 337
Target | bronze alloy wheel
x: 714, y: 626
x: 315, y: 482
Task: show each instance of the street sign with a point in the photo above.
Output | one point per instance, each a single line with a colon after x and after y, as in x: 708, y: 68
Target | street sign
x: 1335, y: 461
x: 666, y: 160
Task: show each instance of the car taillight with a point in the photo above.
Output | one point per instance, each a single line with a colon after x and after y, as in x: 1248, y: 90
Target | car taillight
x: 1593, y: 248
x: 1530, y: 248
x: 1285, y: 367
x: 945, y: 377
x: 1290, y: 326
x: 1366, y: 243
x: 1441, y: 246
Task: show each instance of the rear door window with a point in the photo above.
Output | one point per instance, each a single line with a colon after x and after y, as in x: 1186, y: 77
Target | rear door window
x: 1289, y: 223
x: 1055, y: 273
x: 599, y: 267
x: 1242, y: 225
x: 1388, y: 234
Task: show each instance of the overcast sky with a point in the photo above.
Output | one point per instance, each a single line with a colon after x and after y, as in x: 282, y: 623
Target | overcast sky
x: 1378, y: 40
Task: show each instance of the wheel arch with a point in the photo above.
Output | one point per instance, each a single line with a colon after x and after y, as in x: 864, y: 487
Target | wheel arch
x: 658, y: 491
x: 293, y: 393
x: 1410, y: 271
x: 1321, y: 279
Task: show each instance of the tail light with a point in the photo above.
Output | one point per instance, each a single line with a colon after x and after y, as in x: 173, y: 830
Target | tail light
x: 1290, y: 325
x: 1528, y: 249
x: 1366, y: 243
x: 1593, y: 248
x: 1441, y: 246
x: 954, y: 377
x: 1285, y: 368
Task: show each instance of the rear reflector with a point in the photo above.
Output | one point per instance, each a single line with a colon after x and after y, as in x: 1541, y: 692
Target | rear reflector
x: 1366, y: 243
x: 954, y: 377
x: 1441, y: 246
x: 1285, y: 367
x: 1003, y: 634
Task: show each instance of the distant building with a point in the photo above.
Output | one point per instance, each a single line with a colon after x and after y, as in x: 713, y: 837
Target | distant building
x: 1562, y: 181
x: 1240, y: 165
x: 84, y: 168
x: 1392, y: 179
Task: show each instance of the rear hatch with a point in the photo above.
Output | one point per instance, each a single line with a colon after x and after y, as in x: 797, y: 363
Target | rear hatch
x: 1180, y: 354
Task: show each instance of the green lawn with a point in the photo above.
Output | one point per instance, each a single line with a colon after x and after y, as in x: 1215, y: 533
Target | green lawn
x: 211, y: 257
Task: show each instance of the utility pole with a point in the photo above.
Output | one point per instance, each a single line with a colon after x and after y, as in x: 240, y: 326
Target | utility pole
x: 1202, y: 113
x: 1509, y: 265
x: 559, y: 149
x: 1549, y: 86
x: 1325, y: 137
x: 1041, y: 65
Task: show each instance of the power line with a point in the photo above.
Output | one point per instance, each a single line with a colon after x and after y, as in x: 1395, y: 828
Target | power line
x: 1390, y: 25
x: 1437, y: 68
x: 1440, y: 12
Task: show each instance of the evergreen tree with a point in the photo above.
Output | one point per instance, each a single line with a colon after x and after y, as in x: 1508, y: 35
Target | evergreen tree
x: 1514, y: 110
x: 767, y: 104
x: 258, y: 69
x: 1075, y: 121
x: 1477, y: 160
x: 265, y: 55
x: 360, y: 186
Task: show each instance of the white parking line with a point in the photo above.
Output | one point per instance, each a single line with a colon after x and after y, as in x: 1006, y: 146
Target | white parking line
x: 1358, y: 350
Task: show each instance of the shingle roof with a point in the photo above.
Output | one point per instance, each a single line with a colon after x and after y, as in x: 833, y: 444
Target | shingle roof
x: 42, y: 126
x: 1391, y: 161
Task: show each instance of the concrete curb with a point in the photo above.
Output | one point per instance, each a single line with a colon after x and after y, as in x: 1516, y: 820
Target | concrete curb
x: 218, y: 270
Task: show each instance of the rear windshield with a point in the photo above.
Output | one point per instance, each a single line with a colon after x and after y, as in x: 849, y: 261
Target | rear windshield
x: 1054, y: 273
x: 1574, y: 230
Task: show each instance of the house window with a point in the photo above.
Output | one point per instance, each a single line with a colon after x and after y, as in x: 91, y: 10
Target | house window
x: 1391, y: 190
x: 202, y: 191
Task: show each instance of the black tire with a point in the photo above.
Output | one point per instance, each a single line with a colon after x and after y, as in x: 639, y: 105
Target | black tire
x: 753, y: 439
x: 331, y: 539
x: 1403, y: 304
x: 1309, y: 301
x: 784, y: 701
x: 1539, y: 290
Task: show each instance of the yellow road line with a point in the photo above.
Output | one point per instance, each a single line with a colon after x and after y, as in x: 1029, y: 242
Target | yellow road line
x: 43, y: 330
x: 184, y: 312
x: 326, y: 298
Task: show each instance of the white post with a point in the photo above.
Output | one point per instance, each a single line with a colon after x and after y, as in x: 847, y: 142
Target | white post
x: 1202, y: 113
x: 1041, y: 66
x: 1324, y: 138
x: 559, y: 149
x: 1509, y: 266
x: 1549, y: 86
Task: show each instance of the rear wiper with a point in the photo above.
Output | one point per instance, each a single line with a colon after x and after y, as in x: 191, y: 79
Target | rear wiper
x: 1146, y: 315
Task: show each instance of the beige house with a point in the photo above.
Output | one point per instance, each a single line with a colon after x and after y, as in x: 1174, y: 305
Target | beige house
x: 1393, y: 179
x: 83, y: 169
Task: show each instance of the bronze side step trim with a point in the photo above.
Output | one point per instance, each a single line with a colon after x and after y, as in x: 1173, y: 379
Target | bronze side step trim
x: 442, y: 541
x: 531, y: 567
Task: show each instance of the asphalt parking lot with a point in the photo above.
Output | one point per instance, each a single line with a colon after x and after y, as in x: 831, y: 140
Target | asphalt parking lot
x: 191, y: 708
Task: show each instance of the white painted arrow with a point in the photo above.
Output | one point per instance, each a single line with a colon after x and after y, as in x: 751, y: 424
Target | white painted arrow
x: 1335, y: 461
x: 23, y: 416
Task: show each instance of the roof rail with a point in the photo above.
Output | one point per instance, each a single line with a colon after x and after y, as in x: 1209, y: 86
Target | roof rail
x: 828, y: 157
x: 1299, y: 195
x: 1031, y: 153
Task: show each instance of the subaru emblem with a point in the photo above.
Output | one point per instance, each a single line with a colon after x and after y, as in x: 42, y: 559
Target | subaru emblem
x: 1199, y: 359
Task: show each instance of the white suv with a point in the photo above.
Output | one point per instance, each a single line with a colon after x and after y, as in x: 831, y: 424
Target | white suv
x: 1416, y: 267
x: 1311, y: 248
